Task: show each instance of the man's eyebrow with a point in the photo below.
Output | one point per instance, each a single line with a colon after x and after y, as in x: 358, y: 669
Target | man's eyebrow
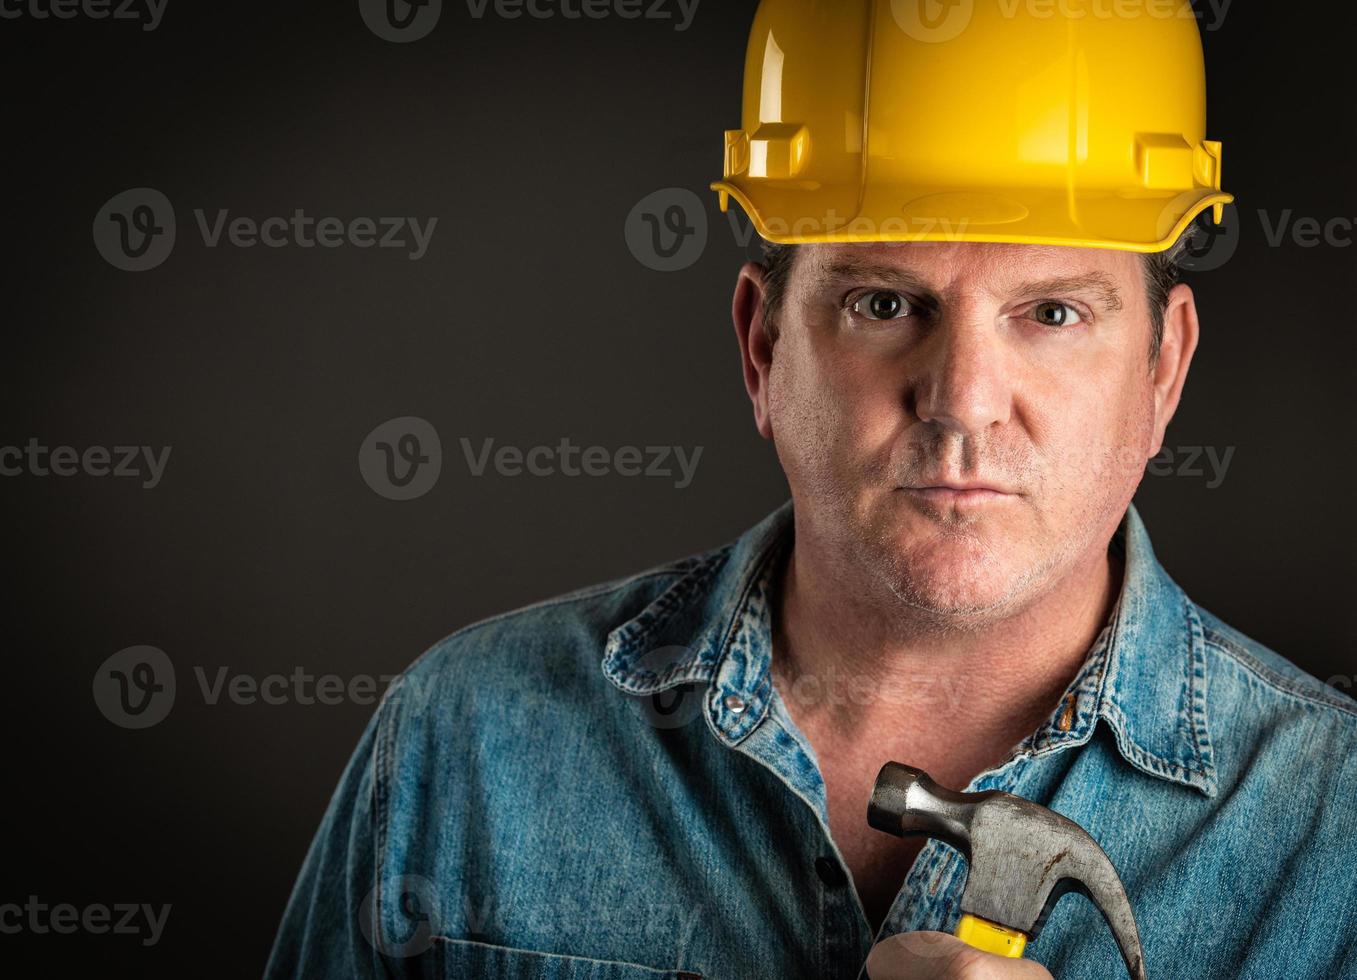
x: 848, y: 271
x: 1098, y: 283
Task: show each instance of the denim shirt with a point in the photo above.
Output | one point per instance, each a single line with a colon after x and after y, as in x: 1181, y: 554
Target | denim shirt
x: 606, y: 785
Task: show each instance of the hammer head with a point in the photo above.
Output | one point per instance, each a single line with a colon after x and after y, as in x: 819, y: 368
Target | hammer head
x: 1022, y: 857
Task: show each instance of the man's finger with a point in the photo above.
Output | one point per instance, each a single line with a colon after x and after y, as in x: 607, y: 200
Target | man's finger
x: 938, y: 956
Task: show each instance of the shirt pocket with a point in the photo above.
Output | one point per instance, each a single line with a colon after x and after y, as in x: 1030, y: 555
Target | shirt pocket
x: 465, y: 959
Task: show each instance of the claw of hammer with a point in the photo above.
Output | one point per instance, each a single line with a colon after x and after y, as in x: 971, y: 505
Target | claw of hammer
x: 1022, y: 857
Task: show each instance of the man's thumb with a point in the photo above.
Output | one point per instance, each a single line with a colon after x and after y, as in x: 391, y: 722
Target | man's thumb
x: 938, y: 956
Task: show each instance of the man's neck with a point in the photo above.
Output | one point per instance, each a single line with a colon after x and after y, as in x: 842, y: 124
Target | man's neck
x: 855, y: 668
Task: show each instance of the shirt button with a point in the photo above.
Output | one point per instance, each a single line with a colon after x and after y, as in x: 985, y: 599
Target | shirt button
x: 734, y: 704
x: 830, y: 873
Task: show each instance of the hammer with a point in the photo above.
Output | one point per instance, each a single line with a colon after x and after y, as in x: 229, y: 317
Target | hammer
x: 1022, y: 858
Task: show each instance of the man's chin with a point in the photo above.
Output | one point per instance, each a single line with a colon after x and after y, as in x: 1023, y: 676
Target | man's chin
x: 945, y: 602
x: 953, y: 572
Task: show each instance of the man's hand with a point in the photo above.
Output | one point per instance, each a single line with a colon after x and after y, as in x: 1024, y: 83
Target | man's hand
x: 938, y: 956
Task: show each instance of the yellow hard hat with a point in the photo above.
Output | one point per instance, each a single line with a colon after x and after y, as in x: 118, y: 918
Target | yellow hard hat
x: 1056, y: 122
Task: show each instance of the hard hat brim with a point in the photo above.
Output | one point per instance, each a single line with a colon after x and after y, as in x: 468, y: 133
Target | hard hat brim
x: 1132, y: 221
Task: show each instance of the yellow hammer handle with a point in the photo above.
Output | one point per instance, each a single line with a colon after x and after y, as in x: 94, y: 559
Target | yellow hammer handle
x: 990, y: 936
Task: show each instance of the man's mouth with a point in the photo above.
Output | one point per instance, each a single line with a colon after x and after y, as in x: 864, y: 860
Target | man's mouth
x: 968, y: 493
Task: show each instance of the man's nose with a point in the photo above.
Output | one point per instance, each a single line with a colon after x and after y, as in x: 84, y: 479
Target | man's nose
x: 961, y: 378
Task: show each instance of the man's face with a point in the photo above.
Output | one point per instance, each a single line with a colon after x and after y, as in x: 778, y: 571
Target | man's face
x: 903, y: 368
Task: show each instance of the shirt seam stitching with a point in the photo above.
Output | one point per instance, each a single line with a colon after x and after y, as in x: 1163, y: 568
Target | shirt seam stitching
x: 754, y: 581
x: 616, y: 663
x: 679, y: 594
x: 1226, y: 647
x: 381, y: 781
x: 590, y: 961
x: 1198, y: 689
x: 593, y: 592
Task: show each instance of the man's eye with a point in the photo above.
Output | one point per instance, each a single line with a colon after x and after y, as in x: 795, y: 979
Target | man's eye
x: 882, y: 306
x: 1057, y: 315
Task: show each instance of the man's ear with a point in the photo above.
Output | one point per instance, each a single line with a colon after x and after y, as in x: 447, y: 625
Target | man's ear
x: 756, y: 352
x: 1181, y: 331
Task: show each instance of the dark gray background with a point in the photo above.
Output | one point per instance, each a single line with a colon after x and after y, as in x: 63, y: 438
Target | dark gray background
x: 263, y: 550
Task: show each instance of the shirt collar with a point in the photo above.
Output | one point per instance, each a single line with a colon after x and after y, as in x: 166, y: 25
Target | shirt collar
x: 1145, y: 675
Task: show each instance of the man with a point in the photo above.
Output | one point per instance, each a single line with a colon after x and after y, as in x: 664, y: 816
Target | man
x: 667, y: 776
